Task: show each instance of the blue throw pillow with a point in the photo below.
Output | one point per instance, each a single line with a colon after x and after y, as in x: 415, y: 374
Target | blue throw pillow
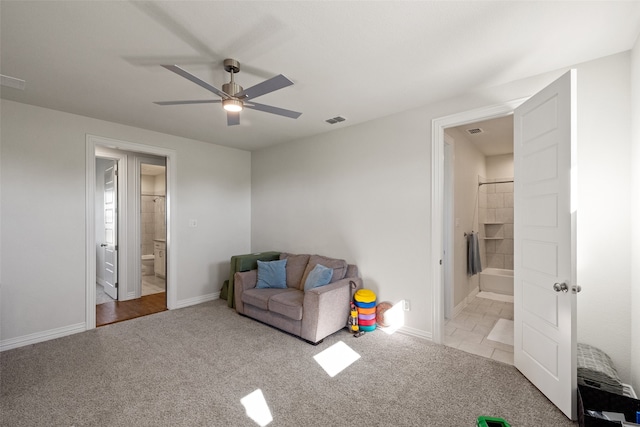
x: 319, y: 276
x: 272, y: 274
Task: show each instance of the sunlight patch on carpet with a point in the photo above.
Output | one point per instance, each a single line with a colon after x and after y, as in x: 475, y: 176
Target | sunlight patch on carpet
x: 336, y: 358
x: 257, y: 409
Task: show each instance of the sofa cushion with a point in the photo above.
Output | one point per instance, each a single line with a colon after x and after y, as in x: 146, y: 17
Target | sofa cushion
x: 272, y: 274
x: 260, y: 297
x: 288, y: 304
x: 319, y: 276
x: 296, y: 265
x: 339, y: 267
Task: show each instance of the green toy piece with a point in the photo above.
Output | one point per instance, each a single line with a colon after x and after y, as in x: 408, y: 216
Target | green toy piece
x: 492, y: 422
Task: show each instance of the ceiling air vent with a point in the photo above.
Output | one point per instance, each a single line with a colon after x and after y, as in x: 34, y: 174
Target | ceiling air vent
x: 474, y: 131
x: 335, y: 120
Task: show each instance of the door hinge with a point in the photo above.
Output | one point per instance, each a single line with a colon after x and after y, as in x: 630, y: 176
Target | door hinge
x: 117, y: 285
x: 116, y: 249
x: 440, y: 262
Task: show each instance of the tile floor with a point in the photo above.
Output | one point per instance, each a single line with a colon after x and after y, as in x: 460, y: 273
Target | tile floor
x: 153, y: 285
x: 150, y: 285
x: 469, y: 329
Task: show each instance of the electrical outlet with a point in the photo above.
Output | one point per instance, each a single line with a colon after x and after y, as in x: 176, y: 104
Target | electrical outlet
x: 406, y: 305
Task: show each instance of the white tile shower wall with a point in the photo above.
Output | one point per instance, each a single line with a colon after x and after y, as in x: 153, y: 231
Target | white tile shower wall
x: 147, y: 224
x: 152, y: 221
x: 160, y: 229
x: 495, y: 206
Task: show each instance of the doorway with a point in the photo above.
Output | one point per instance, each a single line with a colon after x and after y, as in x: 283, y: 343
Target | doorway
x: 544, y: 234
x: 153, y: 227
x: 479, y: 215
x: 438, y: 201
x: 130, y: 158
x: 130, y: 189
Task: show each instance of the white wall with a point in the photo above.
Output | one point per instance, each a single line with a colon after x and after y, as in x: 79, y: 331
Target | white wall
x: 468, y: 164
x: 635, y: 211
x: 604, y: 220
x: 148, y: 184
x: 363, y: 193
x: 500, y: 166
x: 359, y: 193
x: 43, y: 215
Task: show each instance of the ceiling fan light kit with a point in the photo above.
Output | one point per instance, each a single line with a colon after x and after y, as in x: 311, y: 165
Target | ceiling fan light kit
x: 232, y: 104
x: 233, y: 97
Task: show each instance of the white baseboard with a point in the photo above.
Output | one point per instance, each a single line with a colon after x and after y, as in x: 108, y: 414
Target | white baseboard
x: 458, y: 308
x: 465, y: 302
x: 473, y: 293
x: 10, y: 343
x: 413, y: 332
x: 196, y: 300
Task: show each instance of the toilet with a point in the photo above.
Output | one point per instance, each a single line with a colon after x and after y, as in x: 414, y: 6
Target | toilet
x: 147, y: 265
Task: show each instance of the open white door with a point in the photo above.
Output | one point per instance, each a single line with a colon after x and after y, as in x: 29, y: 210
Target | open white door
x: 110, y: 244
x: 544, y: 246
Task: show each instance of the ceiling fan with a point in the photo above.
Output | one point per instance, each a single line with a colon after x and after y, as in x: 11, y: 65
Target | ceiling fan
x: 233, y: 97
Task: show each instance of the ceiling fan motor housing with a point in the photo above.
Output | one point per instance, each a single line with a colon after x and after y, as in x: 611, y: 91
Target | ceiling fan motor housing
x: 231, y: 66
x: 231, y: 88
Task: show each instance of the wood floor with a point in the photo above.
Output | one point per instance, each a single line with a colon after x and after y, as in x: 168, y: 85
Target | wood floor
x: 118, y: 311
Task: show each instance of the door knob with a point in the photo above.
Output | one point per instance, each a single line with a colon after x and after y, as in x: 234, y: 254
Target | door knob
x: 103, y: 245
x: 560, y: 287
x: 575, y: 289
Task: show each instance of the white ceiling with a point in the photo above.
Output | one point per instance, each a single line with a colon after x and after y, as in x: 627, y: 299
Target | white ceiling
x: 358, y: 59
x: 495, y: 138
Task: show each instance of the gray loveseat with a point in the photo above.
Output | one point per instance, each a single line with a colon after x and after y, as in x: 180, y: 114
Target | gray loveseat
x: 310, y: 315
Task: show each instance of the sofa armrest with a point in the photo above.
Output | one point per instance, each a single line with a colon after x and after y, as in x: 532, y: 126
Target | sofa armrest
x: 326, y: 309
x: 243, y: 281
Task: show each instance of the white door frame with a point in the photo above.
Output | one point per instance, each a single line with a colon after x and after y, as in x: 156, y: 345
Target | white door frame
x: 438, y: 126
x: 92, y: 142
x: 448, y: 226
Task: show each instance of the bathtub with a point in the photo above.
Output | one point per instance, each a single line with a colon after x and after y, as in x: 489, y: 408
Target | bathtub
x: 497, y: 280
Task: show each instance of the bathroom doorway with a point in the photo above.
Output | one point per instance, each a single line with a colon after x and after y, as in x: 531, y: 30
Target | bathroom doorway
x: 131, y: 219
x: 479, y: 203
x: 153, y: 226
x: 130, y: 300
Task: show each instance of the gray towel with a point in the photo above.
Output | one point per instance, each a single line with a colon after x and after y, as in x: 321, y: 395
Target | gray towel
x: 473, y: 254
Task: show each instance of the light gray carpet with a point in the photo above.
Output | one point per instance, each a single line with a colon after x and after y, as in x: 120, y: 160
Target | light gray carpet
x: 191, y: 367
